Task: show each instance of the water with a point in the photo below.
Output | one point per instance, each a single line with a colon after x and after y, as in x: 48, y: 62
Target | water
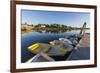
x: 30, y: 38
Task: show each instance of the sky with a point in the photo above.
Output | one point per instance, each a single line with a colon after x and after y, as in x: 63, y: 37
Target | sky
x: 75, y: 19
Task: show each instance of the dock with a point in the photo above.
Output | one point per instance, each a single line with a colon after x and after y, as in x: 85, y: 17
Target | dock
x: 84, y: 42
x: 82, y: 50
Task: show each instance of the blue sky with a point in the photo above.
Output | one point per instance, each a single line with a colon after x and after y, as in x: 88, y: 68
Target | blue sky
x: 49, y: 17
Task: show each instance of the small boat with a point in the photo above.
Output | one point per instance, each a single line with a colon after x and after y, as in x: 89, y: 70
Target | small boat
x: 60, y: 48
x: 39, y: 47
x: 34, y: 47
x: 70, y: 40
x: 65, y: 40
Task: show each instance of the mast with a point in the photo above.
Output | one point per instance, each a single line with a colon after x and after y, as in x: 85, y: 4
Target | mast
x: 83, y: 29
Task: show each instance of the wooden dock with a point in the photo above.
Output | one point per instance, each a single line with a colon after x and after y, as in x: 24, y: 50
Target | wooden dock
x: 84, y: 42
x: 82, y: 50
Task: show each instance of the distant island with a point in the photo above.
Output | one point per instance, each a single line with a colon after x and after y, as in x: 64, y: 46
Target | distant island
x: 48, y: 27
